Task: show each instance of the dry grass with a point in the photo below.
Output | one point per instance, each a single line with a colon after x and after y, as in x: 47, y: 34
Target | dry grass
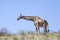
x: 53, y: 36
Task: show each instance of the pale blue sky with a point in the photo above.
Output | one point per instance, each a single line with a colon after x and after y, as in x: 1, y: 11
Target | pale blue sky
x: 46, y: 9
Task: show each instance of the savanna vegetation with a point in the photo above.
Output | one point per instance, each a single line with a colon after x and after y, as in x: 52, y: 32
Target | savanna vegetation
x: 22, y: 35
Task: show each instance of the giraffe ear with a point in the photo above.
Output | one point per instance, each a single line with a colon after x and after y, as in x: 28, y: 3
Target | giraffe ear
x: 20, y: 14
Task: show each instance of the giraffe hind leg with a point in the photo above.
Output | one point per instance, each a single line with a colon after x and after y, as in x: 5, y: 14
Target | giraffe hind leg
x: 45, y: 27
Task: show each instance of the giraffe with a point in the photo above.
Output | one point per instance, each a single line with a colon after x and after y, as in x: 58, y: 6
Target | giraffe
x: 38, y: 22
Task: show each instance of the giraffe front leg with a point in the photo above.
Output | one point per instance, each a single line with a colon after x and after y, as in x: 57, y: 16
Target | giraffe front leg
x: 37, y: 28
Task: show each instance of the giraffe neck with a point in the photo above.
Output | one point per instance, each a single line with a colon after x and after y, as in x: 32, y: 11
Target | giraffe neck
x: 30, y: 18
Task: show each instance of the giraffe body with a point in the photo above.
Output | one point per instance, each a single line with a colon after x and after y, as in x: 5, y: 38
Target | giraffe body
x: 38, y: 22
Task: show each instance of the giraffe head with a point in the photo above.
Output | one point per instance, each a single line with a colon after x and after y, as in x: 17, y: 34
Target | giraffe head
x: 19, y: 17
